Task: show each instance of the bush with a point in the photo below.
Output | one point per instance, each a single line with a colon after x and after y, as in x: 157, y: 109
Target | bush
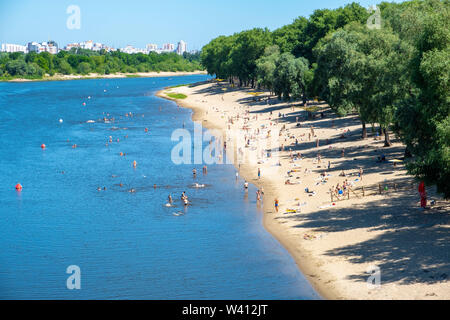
x: 84, y: 68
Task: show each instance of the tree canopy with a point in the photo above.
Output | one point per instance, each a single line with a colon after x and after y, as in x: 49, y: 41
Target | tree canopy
x: 396, y: 76
x: 80, y: 61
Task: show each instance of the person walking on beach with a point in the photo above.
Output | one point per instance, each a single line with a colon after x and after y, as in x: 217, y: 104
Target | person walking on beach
x: 360, y: 173
x: 259, y: 173
x: 276, y: 205
x: 423, y: 195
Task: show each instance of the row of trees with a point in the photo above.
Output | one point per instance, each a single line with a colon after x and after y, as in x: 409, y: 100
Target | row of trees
x: 79, y: 61
x: 396, y: 77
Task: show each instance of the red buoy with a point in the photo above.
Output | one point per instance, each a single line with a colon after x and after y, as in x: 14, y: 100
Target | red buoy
x: 18, y: 187
x: 43, y: 146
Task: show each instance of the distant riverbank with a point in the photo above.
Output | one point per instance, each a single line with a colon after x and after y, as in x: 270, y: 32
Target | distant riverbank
x: 61, y: 77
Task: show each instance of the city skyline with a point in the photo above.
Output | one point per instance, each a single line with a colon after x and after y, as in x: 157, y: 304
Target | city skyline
x: 52, y: 47
x: 141, y: 23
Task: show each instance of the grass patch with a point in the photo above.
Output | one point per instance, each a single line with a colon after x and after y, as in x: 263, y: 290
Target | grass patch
x: 177, y: 86
x: 312, y: 109
x: 176, y: 95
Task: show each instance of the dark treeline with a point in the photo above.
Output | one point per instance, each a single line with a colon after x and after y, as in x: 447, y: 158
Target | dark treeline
x: 80, y: 61
x: 396, y: 77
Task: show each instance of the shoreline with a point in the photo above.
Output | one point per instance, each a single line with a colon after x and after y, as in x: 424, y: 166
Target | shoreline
x: 92, y: 76
x: 307, y: 269
x: 334, y: 244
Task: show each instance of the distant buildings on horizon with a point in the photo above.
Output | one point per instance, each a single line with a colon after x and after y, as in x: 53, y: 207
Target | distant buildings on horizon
x: 52, y: 47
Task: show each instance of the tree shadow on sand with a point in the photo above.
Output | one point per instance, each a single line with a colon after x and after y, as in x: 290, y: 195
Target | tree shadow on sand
x: 415, y: 247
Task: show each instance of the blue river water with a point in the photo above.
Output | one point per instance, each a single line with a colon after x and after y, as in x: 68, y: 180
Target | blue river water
x: 128, y: 245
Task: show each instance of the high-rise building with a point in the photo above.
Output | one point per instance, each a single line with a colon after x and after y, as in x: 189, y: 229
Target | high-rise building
x: 151, y: 47
x: 182, y: 47
x: 87, y: 45
x: 50, y: 47
x: 35, y: 47
x: 8, y: 47
x: 168, y: 47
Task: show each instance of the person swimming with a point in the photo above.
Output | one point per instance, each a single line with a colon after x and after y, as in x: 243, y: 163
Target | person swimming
x: 169, y: 198
x: 196, y: 185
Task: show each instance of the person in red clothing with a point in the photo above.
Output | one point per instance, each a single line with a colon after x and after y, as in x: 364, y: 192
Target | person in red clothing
x: 423, y: 195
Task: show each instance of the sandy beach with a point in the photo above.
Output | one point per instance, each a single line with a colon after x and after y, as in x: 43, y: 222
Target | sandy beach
x: 375, y: 228
x: 60, y: 77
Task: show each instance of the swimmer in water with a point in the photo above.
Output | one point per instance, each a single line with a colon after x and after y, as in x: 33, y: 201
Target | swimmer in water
x: 194, y: 172
x: 169, y: 198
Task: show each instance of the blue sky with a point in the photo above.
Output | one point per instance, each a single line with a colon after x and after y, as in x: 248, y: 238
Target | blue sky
x: 138, y: 22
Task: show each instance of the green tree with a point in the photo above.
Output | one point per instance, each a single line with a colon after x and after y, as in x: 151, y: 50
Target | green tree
x: 422, y: 121
x: 84, y: 68
x: 265, y: 67
x: 249, y: 46
x: 291, y: 77
x: 65, y: 68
